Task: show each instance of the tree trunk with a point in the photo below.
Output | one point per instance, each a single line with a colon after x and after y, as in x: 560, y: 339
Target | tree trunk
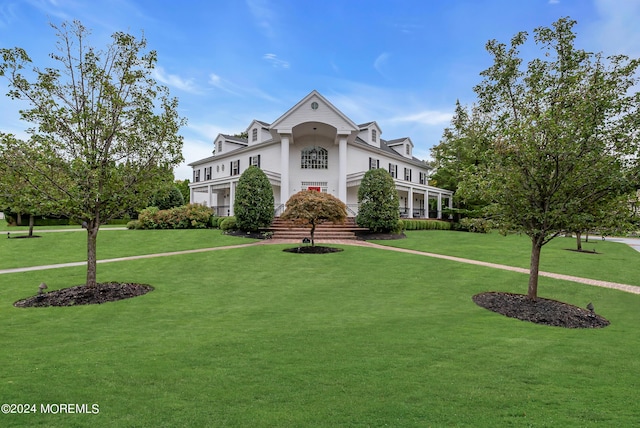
x: 313, y: 231
x: 536, y: 248
x: 31, y: 221
x: 579, y: 241
x: 92, y: 237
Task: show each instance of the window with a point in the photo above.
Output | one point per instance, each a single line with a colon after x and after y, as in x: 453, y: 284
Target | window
x: 423, y: 178
x: 314, y: 158
x: 393, y: 170
x: 254, y: 161
x: 207, y: 173
x: 407, y: 149
x: 374, y: 163
x: 374, y: 135
x: 217, y: 168
x: 254, y: 134
x: 196, y: 175
x: 219, y: 146
x: 407, y: 174
x: 235, y: 167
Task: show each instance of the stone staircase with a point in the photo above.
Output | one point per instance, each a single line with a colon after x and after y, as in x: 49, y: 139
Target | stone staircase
x: 283, y: 229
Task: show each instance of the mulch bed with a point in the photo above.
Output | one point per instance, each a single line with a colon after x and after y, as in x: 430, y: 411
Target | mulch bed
x: 540, y: 311
x: 316, y: 249
x: 83, y: 295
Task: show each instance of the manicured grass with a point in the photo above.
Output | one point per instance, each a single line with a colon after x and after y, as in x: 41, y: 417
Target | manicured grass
x: 613, y: 261
x: 61, y: 247
x: 260, y: 337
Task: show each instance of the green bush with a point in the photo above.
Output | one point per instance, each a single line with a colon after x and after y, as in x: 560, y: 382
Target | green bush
x: 379, y: 206
x: 192, y: 216
x: 220, y: 220
x: 476, y: 225
x: 167, y: 198
x: 134, y: 224
x: 229, y: 223
x: 416, y: 224
x: 253, y: 205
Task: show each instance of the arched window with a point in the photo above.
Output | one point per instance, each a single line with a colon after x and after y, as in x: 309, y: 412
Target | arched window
x: 314, y: 158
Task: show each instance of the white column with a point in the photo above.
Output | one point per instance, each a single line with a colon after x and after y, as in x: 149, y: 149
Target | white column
x: 209, y: 197
x: 440, y: 205
x: 232, y: 196
x: 450, y: 206
x: 284, y: 169
x: 426, y: 203
x: 410, y: 214
x: 342, y: 170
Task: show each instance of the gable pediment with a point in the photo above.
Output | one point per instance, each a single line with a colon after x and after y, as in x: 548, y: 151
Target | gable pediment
x: 314, y: 108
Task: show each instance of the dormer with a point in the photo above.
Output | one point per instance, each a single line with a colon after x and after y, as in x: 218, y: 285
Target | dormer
x: 402, y: 146
x: 228, y: 143
x: 370, y: 132
x: 258, y: 132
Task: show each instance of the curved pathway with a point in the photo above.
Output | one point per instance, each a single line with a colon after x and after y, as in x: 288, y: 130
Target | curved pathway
x: 606, y: 284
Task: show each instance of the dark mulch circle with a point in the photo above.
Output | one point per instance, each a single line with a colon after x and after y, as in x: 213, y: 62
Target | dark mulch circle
x: 83, y: 295
x: 582, y: 251
x: 316, y: 249
x: 22, y: 236
x: 540, y: 311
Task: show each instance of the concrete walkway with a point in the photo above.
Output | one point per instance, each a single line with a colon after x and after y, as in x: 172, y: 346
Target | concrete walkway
x: 632, y: 242
x: 606, y: 284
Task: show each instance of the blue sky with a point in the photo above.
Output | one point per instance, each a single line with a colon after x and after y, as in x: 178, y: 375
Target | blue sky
x: 402, y: 63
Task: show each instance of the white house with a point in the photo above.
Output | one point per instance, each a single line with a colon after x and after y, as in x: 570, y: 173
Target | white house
x: 315, y: 146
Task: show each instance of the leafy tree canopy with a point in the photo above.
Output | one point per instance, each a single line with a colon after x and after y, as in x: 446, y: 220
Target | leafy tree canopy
x: 104, y: 131
x: 562, y: 135
x: 310, y: 208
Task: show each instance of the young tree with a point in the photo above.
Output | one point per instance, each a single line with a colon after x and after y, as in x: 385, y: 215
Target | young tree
x: 15, y: 193
x: 379, y: 206
x: 461, y: 149
x: 183, y: 186
x: 563, y: 132
x: 104, y: 131
x: 311, y: 208
x: 253, y: 206
x: 167, y: 198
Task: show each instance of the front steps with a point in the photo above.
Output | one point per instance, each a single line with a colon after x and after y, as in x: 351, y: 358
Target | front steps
x: 283, y: 229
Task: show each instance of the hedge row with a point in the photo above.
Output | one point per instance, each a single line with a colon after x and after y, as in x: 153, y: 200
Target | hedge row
x: 410, y: 224
x: 192, y: 216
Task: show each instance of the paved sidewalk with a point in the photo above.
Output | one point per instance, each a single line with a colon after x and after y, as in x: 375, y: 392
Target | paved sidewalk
x: 606, y: 284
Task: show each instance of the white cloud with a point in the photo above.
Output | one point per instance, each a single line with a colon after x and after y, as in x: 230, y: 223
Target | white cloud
x: 263, y: 16
x: 617, y: 30
x: 7, y: 14
x: 275, y: 61
x: 426, y: 117
x: 220, y: 83
x: 173, y: 80
x: 380, y: 63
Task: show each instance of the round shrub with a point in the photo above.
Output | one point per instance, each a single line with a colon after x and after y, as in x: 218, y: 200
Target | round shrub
x: 229, y: 223
x: 134, y: 224
x: 379, y: 205
x: 253, y: 206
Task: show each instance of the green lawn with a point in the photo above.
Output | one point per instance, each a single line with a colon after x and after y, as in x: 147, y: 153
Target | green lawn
x: 260, y: 337
x: 612, y: 261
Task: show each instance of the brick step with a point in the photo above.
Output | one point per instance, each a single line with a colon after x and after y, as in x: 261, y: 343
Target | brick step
x: 284, y: 229
x: 299, y: 236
